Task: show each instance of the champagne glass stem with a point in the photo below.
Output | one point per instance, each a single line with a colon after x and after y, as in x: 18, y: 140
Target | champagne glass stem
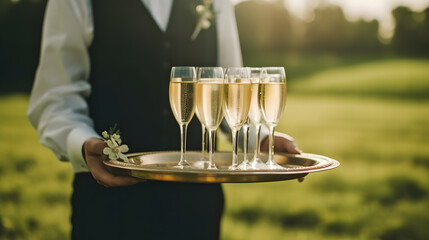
x: 257, y: 141
x: 245, y: 164
x: 183, y: 130
x: 203, y: 142
x: 271, y: 164
x: 257, y: 163
x: 271, y: 147
x: 234, y: 165
x: 212, y: 135
x: 245, y: 140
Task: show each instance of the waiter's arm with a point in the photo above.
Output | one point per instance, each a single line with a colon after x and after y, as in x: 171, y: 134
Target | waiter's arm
x: 58, y: 107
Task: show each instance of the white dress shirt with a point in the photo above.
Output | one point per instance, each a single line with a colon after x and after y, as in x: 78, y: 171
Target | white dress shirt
x: 58, y: 107
x: 160, y: 11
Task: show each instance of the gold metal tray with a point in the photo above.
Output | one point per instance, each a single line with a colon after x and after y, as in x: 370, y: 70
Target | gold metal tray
x: 160, y: 166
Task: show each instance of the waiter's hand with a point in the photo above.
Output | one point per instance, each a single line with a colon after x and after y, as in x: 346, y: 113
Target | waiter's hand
x: 93, y: 150
x: 282, y: 143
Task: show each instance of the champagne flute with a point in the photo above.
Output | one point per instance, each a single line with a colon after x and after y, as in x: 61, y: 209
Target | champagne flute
x: 273, y: 101
x: 255, y: 116
x: 237, y: 104
x: 210, y: 99
x: 203, y: 162
x: 182, y: 102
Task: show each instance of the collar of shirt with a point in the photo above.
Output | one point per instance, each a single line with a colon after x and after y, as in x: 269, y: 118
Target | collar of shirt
x: 160, y: 11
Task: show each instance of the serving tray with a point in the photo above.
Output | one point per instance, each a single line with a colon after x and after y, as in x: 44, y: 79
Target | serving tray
x: 160, y: 166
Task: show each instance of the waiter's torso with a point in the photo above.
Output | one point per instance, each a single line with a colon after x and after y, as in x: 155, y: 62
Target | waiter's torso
x: 131, y: 59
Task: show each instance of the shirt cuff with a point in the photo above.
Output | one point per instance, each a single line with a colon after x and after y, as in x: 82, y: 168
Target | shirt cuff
x: 75, y: 141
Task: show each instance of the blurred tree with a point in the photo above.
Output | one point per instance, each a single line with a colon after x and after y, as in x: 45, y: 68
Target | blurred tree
x: 266, y: 26
x: 411, y: 32
x: 406, y: 30
x: 363, y: 37
x: 20, y: 25
x: 328, y: 31
x: 331, y: 31
x: 424, y: 29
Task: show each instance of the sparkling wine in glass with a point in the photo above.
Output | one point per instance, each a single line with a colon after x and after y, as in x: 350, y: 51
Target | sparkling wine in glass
x: 236, y: 105
x: 210, y: 97
x: 273, y: 101
x: 255, y: 116
x: 182, y: 102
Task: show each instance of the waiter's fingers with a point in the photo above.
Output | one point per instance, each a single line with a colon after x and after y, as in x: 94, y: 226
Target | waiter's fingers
x: 286, y: 143
x: 107, y: 179
x: 93, y: 149
x: 282, y: 143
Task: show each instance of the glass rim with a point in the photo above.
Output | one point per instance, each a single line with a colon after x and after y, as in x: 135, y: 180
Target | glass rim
x: 213, y: 73
x: 237, y: 73
x: 236, y: 67
x: 209, y: 67
x: 182, y: 67
x: 183, y: 74
x: 274, y: 68
x: 279, y: 76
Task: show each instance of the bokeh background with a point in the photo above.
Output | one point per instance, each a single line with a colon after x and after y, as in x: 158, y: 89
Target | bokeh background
x: 358, y: 91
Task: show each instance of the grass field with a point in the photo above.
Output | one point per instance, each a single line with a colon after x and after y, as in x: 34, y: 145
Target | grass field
x: 372, y: 116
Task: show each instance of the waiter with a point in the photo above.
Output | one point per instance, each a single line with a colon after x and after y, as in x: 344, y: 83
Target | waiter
x: 105, y: 62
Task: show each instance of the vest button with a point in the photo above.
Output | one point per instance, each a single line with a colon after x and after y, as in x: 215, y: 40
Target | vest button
x: 167, y: 44
x: 165, y: 112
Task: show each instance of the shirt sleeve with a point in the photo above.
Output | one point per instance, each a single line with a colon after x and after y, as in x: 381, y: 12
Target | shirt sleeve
x: 58, y: 107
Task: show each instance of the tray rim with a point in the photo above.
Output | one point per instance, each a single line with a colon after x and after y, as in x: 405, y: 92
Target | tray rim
x: 329, y: 164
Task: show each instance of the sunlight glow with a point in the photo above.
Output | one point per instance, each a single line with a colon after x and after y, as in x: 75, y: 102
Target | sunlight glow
x: 357, y: 9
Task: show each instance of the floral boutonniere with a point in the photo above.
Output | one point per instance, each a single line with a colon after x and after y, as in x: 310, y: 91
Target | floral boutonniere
x: 115, y: 149
x: 205, y: 15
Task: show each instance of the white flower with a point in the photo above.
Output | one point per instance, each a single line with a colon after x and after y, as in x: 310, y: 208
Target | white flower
x: 205, y: 14
x: 105, y: 134
x: 205, y: 24
x: 200, y: 9
x: 116, y: 151
x: 117, y: 138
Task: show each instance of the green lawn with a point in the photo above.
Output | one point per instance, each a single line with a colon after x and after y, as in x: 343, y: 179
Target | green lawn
x: 34, y: 187
x: 372, y: 116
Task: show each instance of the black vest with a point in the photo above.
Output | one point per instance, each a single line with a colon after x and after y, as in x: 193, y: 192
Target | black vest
x: 131, y: 59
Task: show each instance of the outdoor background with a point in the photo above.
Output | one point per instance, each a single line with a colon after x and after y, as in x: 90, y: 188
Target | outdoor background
x: 358, y: 91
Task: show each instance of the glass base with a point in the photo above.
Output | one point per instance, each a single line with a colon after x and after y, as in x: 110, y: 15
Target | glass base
x: 233, y: 168
x: 201, y: 164
x: 183, y: 165
x: 245, y: 165
x: 273, y: 165
x: 212, y: 167
x: 258, y: 164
